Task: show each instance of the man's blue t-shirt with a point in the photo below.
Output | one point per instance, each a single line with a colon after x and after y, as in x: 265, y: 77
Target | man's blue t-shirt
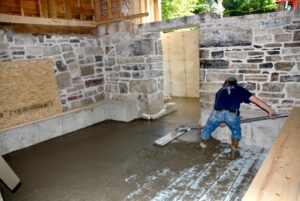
x: 230, y: 97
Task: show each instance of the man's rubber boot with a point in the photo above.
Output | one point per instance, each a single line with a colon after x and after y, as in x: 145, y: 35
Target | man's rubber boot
x: 203, y: 144
x: 234, y: 154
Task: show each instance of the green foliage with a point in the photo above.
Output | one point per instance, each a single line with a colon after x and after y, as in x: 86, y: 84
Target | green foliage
x: 244, y: 7
x: 177, y: 8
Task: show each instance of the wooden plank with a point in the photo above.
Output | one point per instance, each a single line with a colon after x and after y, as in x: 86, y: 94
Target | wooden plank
x: 52, y: 9
x: 44, y: 21
x: 168, y: 138
x: 120, y: 8
x: 279, y: 176
x: 82, y: 14
x: 46, y: 29
x: 97, y: 8
x: 109, y: 9
x: 43, y: 8
x: 28, y: 91
x: 123, y: 18
x: 68, y: 9
x: 21, y: 4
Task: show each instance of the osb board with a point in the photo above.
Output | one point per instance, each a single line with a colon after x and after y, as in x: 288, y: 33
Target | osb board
x: 28, y: 92
x: 181, y: 63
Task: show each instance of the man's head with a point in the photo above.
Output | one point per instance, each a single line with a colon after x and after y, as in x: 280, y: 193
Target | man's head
x: 230, y: 81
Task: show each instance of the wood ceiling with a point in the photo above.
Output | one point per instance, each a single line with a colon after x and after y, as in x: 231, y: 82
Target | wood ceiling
x: 72, y: 15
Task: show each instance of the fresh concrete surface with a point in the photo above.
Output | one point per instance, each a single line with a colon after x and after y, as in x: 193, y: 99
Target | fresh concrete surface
x: 112, y: 161
x: 24, y: 136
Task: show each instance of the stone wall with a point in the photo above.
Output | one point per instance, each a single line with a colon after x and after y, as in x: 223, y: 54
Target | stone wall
x: 261, y: 51
x: 116, y: 64
x: 133, y: 66
x: 78, y: 63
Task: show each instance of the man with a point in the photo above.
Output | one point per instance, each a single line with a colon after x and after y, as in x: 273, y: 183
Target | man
x: 226, y: 112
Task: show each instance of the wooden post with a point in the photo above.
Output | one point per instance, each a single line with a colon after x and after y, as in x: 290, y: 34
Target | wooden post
x: 97, y: 8
x: 52, y: 9
x: 120, y: 8
x: 68, y: 9
x: 109, y: 9
x: 21, y: 4
x: 81, y: 10
x: 43, y: 8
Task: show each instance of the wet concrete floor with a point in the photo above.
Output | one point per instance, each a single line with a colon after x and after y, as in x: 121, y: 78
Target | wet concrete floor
x: 118, y: 161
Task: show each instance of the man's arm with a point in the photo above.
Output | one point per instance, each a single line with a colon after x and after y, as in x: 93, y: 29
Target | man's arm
x: 262, y: 105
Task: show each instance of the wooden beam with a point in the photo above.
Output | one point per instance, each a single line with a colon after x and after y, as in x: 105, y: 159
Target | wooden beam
x: 43, y: 8
x: 97, y: 9
x: 52, y: 9
x: 123, y: 18
x: 68, y: 9
x: 109, y: 9
x: 278, y: 177
x: 21, y: 4
x: 44, y: 21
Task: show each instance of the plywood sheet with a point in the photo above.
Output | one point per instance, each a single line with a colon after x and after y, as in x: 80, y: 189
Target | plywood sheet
x: 181, y: 63
x: 28, y: 92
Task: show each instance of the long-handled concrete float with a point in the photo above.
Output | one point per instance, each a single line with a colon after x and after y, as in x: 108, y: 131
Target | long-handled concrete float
x: 183, y: 129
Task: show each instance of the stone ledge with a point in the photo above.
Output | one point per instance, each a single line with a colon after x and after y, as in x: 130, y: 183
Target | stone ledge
x: 26, y: 135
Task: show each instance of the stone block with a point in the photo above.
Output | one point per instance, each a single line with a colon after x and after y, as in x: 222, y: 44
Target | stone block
x: 210, y: 87
x: 65, y: 47
x: 263, y: 39
x: 271, y: 95
x: 244, y: 66
x: 273, y: 45
x: 207, y: 96
x: 111, y: 61
x: 273, y: 52
x: 131, y: 60
x: 63, y: 80
x: 293, y: 50
x: 34, y: 50
x: 94, y: 82
x: 266, y: 65
x: 125, y: 74
x: 217, y: 54
x: 60, y: 66
x: 87, y: 70
x: 296, y: 44
x: 255, y: 60
x: 111, y: 88
x: 290, y: 78
x: 139, y: 75
x: 284, y: 66
x: 296, y: 36
x: 154, y: 59
x: 98, y: 58
x: 249, y: 86
x: 256, y: 78
x: 274, y: 77
x: 69, y: 55
x: 293, y: 90
x: 214, y: 77
x: 272, y: 87
x: 295, y: 58
x: 283, y: 37
x: 204, y: 54
x: 141, y: 47
x: 236, y: 55
x: 249, y: 71
x: 256, y: 53
x: 291, y: 27
x: 143, y: 86
x: 273, y: 23
x: 123, y: 87
x: 214, y: 64
x: 122, y: 49
x: 77, y: 87
x: 25, y: 40
x: 93, y: 50
x: 100, y: 97
x: 51, y: 51
x: 231, y: 36
x: 273, y: 58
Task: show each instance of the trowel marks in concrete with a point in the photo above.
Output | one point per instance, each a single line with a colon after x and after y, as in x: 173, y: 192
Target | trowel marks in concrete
x: 181, y: 171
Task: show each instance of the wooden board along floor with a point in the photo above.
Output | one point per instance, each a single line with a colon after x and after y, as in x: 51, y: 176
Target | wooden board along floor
x: 28, y: 91
x: 279, y: 176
